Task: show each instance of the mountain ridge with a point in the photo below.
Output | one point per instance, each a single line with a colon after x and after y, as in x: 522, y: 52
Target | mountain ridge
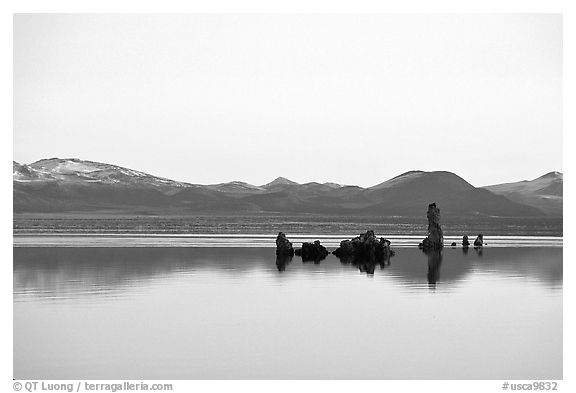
x: 544, y: 193
x: 72, y: 184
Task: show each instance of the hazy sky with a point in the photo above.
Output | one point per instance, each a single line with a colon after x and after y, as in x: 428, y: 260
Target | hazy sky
x: 354, y: 99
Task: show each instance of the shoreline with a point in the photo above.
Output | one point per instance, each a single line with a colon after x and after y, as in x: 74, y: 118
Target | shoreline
x: 291, y: 225
x: 250, y: 240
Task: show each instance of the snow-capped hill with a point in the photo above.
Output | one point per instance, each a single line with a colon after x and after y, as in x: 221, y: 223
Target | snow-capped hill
x: 25, y: 173
x: 549, y: 184
x: 74, y: 170
x: 544, y: 192
x: 553, y: 175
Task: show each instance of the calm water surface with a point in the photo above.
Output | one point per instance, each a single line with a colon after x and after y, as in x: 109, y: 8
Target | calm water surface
x: 238, y: 313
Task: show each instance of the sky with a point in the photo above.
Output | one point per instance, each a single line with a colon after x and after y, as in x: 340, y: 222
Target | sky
x: 346, y: 98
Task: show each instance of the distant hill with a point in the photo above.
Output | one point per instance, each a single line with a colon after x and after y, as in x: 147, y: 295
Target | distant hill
x: 74, y: 185
x: 543, y: 193
x: 73, y: 170
x: 63, y: 185
x: 279, y: 182
x: 411, y: 191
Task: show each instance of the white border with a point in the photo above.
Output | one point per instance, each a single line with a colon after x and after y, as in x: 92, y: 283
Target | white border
x: 335, y: 6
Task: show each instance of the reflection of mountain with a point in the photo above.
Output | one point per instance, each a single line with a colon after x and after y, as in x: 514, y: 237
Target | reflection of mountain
x: 56, y: 272
x: 542, y: 265
x: 72, y: 272
x: 73, y: 185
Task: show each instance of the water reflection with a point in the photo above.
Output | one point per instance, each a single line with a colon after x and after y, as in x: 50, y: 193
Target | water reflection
x: 364, y: 265
x: 282, y: 261
x: 90, y: 312
x: 315, y: 261
x: 434, y: 262
x: 53, y: 273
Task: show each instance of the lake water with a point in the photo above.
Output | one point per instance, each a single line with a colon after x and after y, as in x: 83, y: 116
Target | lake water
x: 197, y: 312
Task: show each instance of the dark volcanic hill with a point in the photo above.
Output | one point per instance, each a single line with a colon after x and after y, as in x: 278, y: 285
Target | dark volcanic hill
x: 544, y: 192
x: 408, y: 192
x: 73, y: 185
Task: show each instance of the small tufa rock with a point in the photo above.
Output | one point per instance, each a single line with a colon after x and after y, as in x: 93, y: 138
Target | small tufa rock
x: 365, y: 246
x: 453, y: 244
x: 365, y: 252
x: 283, y: 246
x: 479, y: 242
x: 312, y: 251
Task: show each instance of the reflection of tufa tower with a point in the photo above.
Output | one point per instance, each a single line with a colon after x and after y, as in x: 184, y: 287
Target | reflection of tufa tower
x: 435, y: 240
x: 434, y: 262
